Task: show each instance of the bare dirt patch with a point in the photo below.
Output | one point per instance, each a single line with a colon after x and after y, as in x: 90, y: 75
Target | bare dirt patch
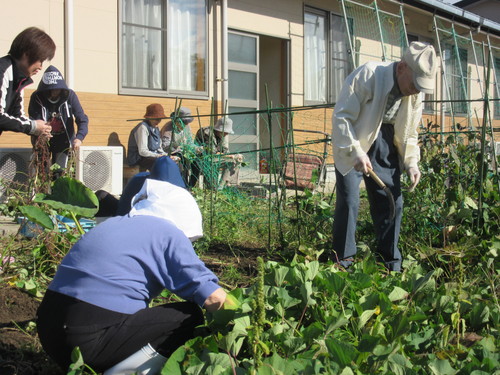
x: 20, y: 350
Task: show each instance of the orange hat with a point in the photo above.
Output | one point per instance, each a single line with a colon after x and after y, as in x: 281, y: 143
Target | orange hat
x: 154, y: 110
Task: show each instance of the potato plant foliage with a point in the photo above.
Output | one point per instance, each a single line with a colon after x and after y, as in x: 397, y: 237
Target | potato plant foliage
x: 319, y: 320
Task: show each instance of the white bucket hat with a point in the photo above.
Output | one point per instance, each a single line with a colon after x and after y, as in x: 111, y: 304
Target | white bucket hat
x: 224, y: 125
x: 170, y: 202
x: 421, y: 58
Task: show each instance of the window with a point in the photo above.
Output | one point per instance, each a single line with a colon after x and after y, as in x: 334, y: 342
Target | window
x: 455, y: 60
x: 164, y: 47
x: 326, y: 59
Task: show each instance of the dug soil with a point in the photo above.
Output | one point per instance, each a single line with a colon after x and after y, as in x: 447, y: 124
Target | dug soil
x: 20, y: 349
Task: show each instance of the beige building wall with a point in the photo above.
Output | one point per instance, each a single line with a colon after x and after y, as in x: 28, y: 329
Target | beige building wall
x: 96, y: 56
x: 96, y: 46
x: 281, y: 19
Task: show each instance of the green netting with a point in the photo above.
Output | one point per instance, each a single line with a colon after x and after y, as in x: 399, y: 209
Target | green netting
x: 366, y: 38
x: 394, y: 35
x: 376, y: 35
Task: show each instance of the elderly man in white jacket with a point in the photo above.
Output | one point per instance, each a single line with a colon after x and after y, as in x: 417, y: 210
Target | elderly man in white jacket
x: 375, y: 127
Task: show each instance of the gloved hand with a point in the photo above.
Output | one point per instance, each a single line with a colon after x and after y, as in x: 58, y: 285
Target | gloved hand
x: 414, y: 175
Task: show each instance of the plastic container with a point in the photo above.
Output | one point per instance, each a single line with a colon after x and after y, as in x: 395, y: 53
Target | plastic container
x: 30, y: 229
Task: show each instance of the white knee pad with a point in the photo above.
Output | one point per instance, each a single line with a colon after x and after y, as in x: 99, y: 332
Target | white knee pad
x: 145, y: 361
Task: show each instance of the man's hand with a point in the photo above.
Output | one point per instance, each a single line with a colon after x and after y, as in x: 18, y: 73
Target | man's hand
x: 42, y: 129
x: 76, y: 144
x: 414, y: 175
x: 215, y: 300
x: 363, y: 164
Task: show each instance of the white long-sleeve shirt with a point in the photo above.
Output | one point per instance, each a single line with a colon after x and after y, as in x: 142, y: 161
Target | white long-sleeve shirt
x: 359, y: 112
x: 141, y: 137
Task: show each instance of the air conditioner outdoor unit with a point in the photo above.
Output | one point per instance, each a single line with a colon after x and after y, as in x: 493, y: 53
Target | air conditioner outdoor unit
x: 100, y: 168
x: 14, y: 169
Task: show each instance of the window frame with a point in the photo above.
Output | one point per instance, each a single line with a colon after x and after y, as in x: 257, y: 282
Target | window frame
x: 166, y: 92
x: 329, y: 62
x: 457, y: 108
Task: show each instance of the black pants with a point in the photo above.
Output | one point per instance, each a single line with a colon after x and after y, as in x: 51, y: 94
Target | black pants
x: 146, y: 163
x: 107, y: 337
x: 385, y: 162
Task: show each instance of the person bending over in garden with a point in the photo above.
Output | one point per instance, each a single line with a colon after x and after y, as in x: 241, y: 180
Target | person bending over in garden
x: 177, y: 140
x: 26, y: 56
x: 375, y: 127
x: 99, y: 298
x: 144, y: 142
x: 59, y: 106
x: 214, y: 141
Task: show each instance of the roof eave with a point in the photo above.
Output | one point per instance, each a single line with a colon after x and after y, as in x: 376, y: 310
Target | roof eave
x: 454, y: 13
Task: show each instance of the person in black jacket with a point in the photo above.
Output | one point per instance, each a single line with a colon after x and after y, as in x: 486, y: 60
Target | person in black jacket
x: 27, y: 53
x: 59, y: 106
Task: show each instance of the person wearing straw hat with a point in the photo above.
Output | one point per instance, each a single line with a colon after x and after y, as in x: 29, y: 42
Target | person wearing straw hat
x: 144, y: 142
x: 99, y: 299
x: 214, y: 140
x: 375, y: 128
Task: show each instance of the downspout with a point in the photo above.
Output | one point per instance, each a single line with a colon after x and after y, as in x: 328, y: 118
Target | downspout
x: 69, y: 43
x: 224, y: 53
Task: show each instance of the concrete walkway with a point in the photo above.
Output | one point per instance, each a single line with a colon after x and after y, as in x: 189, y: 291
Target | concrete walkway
x: 8, y: 226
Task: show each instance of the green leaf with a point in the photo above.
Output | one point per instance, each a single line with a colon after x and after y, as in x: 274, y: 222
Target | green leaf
x: 337, y: 282
x: 398, y: 327
x: 307, y: 293
x: 341, y: 352
x: 470, y: 203
x: 76, y: 360
x: 286, y: 300
x: 71, y: 195
x: 312, y: 270
x: 441, y: 367
x: 38, y: 216
x: 276, y: 365
x: 398, y: 294
x: 368, y: 343
x: 280, y: 275
x: 365, y: 316
x: 178, y: 358
x: 479, y: 315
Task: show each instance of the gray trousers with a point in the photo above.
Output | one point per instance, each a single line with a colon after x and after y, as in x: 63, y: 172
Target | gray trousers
x: 384, y: 158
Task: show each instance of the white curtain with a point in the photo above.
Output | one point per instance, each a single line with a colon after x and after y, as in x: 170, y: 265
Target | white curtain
x: 314, y: 58
x: 340, y: 58
x: 187, y: 44
x: 142, y: 44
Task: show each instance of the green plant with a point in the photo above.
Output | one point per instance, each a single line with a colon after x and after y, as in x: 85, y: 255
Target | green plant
x: 319, y: 320
x: 446, y: 206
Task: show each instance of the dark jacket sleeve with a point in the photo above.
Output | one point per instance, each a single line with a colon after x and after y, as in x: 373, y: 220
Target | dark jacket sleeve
x: 82, y: 120
x: 15, y: 119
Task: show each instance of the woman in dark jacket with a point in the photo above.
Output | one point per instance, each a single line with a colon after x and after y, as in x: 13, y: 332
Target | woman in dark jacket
x: 27, y: 53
